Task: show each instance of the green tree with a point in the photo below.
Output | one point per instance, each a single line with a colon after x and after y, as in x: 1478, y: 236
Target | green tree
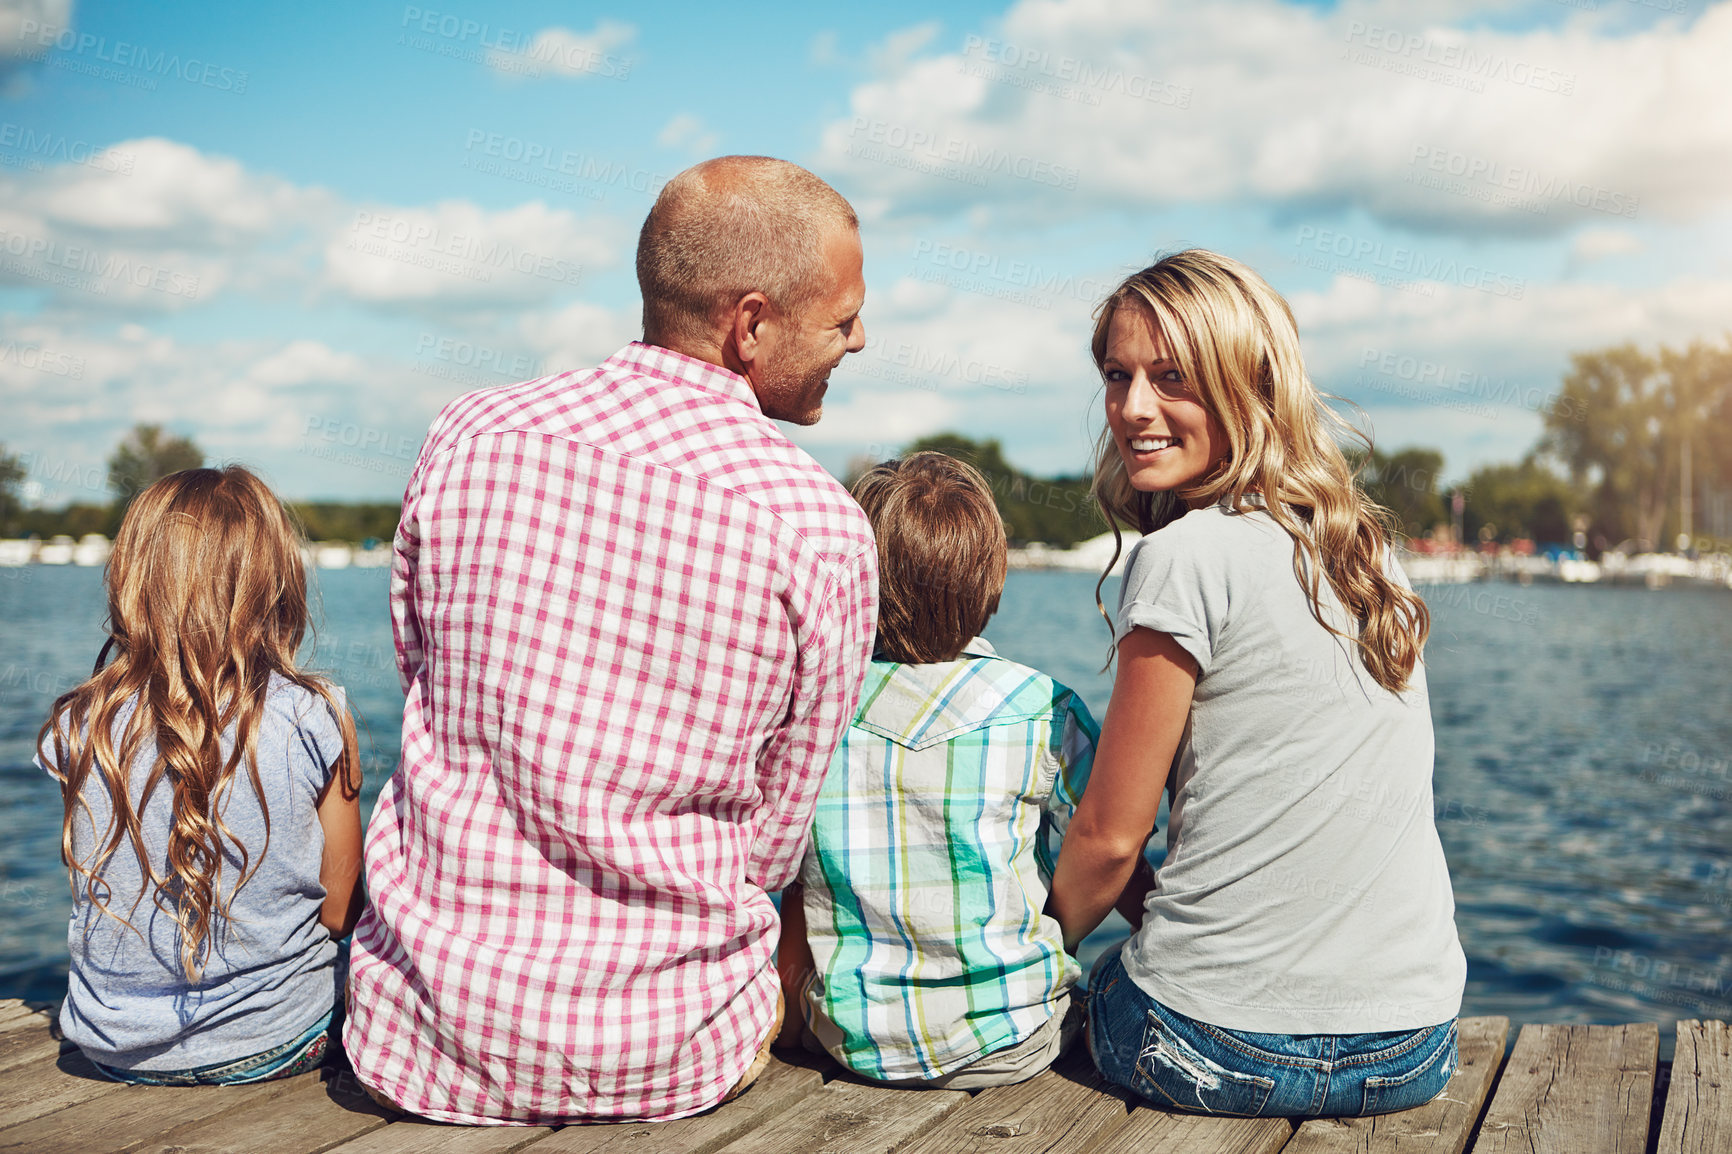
x: 1525, y: 500
x: 11, y: 480
x: 1620, y: 425
x: 1407, y: 483
x: 145, y: 456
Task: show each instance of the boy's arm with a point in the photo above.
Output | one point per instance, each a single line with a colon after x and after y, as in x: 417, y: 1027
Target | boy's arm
x: 794, y: 964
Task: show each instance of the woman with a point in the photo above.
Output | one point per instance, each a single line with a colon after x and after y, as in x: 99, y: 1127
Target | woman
x: 1297, y: 952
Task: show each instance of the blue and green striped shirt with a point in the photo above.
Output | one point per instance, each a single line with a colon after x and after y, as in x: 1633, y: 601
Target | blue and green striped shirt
x: 931, y: 858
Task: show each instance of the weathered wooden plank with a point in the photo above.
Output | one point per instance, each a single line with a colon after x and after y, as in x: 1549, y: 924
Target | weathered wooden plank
x: 1149, y: 1129
x: 1574, y: 1090
x: 29, y: 1046
x: 114, y: 1122
x: 1065, y: 1108
x: 1699, y: 1101
x: 1441, y: 1126
x: 781, y: 1085
x: 13, y: 1012
x: 30, y: 1091
x: 27, y: 1017
x: 415, y: 1137
x: 312, y: 1113
x: 847, y: 1117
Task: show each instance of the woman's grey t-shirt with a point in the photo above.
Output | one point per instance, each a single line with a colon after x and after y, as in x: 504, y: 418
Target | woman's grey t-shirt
x: 1305, y: 889
x: 272, y: 973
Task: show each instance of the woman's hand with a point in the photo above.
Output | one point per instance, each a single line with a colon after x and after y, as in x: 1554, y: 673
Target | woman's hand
x: 1145, y: 722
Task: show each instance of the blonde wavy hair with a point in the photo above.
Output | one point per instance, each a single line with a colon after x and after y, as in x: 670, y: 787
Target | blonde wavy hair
x: 207, y: 598
x: 1234, y: 339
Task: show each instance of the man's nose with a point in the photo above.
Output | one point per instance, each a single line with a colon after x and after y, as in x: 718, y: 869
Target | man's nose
x: 856, y: 335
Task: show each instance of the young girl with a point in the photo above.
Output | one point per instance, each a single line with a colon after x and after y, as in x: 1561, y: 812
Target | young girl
x: 1297, y: 952
x: 212, y: 823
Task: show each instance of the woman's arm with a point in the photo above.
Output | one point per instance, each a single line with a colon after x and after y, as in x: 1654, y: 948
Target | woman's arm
x: 340, y: 870
x: 1145, y: 721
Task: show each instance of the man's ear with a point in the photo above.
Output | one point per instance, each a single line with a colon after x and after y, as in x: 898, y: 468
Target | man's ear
x: 750, y: 321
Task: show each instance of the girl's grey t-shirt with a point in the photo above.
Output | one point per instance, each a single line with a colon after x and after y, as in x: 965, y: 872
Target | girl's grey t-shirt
x: 1305, y: 889
x: 272, y: 973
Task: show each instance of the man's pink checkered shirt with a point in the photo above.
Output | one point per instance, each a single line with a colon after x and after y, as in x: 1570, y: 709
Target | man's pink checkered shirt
x: 632, y: 620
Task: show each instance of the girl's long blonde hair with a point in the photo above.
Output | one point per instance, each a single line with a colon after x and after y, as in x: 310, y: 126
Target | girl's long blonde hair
x: 207, y: 598
x: 1235, y: 341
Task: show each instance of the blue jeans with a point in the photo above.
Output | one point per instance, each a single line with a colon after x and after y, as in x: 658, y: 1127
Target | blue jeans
x: 304, y: 1053
x: 1180, y: 1063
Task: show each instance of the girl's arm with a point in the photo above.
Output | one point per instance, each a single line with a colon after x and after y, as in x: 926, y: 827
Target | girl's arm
x: 340, y: 870
x: 1145, y: 722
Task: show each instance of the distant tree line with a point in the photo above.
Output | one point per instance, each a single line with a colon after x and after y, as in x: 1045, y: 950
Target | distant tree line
x: 1630, y: 442
x: 146, y: 455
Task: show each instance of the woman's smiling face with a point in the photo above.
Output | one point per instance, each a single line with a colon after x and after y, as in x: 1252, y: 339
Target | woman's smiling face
x: 1166, y: 437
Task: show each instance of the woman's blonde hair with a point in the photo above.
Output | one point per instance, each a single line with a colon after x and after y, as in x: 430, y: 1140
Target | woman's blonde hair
x: 1234, y: 339
x: 207, y: 599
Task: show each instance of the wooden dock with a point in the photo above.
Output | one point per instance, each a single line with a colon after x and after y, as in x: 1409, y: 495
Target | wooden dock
x: 1560, y: 1090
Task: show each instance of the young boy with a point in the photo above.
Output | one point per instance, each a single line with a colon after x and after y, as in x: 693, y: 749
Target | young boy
x: 929, y: 960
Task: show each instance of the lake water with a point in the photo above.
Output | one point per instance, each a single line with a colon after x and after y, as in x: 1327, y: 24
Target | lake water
x: 1584, y: 773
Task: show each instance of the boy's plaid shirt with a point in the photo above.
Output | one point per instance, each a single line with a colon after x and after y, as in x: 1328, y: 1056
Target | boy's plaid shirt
x: 931, y: 859
x: 631, y: 621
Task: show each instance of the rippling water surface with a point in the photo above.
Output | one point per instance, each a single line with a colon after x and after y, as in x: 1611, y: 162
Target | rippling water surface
x: 1584, y: 773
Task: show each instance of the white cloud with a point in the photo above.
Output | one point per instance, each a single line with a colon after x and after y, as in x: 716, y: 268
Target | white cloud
x: 562, y: 52
x: 579, y: 335
x: 316, y: 420
x: 688, y: 133
x: 458, y: 254
x: 1598, y: 243
x: 24, y: 24
x: 1072, y: 105
x: 164, y: 192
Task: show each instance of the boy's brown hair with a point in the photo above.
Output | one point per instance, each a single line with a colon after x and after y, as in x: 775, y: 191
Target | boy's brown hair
x: 941, y: 555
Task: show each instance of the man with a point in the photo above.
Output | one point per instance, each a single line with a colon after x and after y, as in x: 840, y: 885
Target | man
x: 632, y: 620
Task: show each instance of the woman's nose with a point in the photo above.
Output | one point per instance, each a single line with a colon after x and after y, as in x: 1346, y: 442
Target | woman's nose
x: 1140, y: 398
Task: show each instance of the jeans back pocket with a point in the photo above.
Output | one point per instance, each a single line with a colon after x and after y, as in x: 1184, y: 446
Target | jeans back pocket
x: 1416, y: 1086
x: 1171, y: 1072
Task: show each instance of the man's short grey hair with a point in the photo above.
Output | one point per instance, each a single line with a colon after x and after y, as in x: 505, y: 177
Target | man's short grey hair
x: 727, y: 227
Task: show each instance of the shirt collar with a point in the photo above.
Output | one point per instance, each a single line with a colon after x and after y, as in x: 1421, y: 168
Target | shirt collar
x: 665, y: 364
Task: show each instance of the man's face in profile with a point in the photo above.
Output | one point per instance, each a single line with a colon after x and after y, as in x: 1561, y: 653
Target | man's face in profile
x: 790, y: 381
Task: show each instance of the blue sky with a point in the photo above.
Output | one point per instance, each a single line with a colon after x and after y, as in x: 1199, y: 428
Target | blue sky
x: 293, y: 232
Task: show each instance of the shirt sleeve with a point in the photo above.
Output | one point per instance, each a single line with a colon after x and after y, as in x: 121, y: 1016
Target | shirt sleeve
x: 321, y: 734
x: 405, y: 559
x: 1074, y: 736
x: 834, y: 656
x: 1175, y: 585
